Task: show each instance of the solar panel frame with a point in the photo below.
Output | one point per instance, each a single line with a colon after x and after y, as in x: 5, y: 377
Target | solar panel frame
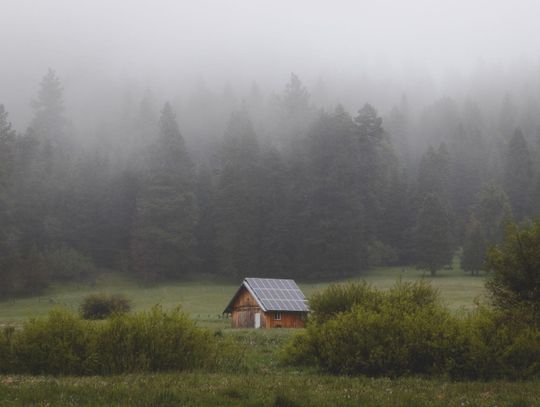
x: 278, y: 294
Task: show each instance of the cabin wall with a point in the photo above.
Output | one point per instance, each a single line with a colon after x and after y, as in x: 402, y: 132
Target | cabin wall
x: 288, y: 320
x: 244, y: 309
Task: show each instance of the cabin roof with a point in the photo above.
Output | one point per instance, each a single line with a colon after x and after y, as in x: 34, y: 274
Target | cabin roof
x: 273, y: 294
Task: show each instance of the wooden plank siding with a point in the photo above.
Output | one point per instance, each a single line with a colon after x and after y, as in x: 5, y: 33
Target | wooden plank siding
x: 245, y: 307
x: 288, y: 320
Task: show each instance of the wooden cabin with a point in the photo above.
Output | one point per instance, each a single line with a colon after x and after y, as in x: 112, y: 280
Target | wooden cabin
x: 268, y: 303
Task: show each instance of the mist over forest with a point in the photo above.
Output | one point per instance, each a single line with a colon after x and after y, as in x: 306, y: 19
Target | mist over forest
x: 168, y: 140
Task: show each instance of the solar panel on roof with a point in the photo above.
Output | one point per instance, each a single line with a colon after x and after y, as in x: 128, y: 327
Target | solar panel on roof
x: 278, y: 295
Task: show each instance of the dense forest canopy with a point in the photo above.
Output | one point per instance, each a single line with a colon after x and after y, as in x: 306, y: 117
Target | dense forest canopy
x: 282, y: 188
x: 305, y: 139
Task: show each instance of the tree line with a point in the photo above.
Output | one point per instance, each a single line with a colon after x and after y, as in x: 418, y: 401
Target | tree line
x: 287, y: 190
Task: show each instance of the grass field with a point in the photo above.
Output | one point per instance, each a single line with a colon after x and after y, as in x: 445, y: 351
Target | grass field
x: 205, y: 300
x: 279, y: 389
x: 262, y: 381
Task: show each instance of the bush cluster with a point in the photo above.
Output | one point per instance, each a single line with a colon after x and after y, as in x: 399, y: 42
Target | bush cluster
x: 356, y: 329
x: 515, y: 269
x: 497, y: 344
x: 339, y: 298
x: 6, y: 359
x: 64, y: 344
x: 101, y: 306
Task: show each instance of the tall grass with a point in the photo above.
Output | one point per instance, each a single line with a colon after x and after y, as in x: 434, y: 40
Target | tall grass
x: 280, y: 388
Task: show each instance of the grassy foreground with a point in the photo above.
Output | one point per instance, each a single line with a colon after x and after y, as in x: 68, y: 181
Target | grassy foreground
x: 274, y: 389
x: 205, y: 300
x: 262, y: 381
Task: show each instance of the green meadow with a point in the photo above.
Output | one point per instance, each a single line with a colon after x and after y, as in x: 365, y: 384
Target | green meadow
x: 204, y: 300
x: 262, y: 381
x: 278, y: 389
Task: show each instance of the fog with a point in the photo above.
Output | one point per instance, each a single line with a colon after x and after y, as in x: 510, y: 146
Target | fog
x: 361, y: 51
x: 146, y: 144
x: 172, y: 139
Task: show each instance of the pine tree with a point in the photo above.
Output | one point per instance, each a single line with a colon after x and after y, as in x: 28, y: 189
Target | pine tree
x: 397, y: 219
x: 378, y: 170
x: 433, y: 175
x: 489, y: 216
x: 206, y: 226
x: 294, y: 113
x: 49, y: 171
x: 296, y: 98
x: 518, y: 175
x: 163, y: 240
x: 49, y: 121
x: 474, y: 248
x: 7, y: 144
x: 329, y: 220
x: 91, y: 222
x: 274, y: 215
x: 507, y: 117
x: 468, y: 156
x: 433, y: 238
x: 492, y: 210
x: 399, y: 126
x: 238, y: 200
x: 146, y: 122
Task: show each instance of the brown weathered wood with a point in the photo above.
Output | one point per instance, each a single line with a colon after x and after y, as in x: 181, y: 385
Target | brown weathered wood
x: 245, y: 307
x: 288, y: 320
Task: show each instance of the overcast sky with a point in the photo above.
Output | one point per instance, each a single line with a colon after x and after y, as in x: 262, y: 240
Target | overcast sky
x: 159, y: 42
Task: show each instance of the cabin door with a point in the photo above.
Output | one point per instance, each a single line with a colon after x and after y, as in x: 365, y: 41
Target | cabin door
x: 258, y: 320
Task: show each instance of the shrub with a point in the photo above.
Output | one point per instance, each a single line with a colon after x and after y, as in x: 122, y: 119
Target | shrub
x: 153, y: 341
x: 497, y: 345
x: 386, y: 341
x: 58, y: 344
x: 6, y: 349
x: 357, y: 329
x: 515, y: 269
x: 338, y: 298
x: 64, y: 344
x: 405, y: 330
x: 301, y: 350
x: 101, y: 306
